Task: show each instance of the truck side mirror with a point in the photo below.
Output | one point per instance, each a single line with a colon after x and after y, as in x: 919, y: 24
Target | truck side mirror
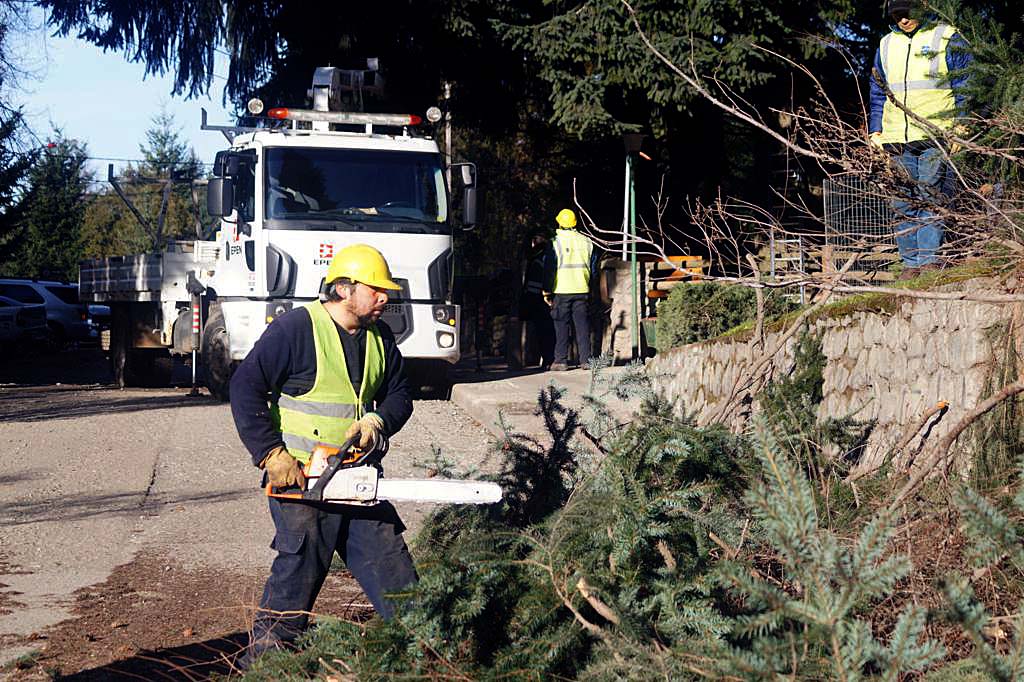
x: 220, y: 197
x: 469, y: 209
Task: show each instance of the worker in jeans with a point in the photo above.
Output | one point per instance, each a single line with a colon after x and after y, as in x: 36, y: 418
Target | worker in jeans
x: 915, y: 61
x: 569, y: 265
x: 323, y: 373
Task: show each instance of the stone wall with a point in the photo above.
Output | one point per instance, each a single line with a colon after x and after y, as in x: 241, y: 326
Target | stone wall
x: 888, y: 367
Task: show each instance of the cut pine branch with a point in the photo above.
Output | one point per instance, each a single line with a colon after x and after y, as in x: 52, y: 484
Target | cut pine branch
x: 940, y: 454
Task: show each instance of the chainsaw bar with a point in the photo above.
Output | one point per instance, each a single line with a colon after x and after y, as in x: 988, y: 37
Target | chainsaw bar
x: 442, y: 492
x: 364, y: 485
x: 357, y: 480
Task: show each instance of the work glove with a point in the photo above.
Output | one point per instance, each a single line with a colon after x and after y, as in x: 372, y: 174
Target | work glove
x: 876, y: 139
x: 283, y: 470
x: 369, y: 429
x: 962, y: 131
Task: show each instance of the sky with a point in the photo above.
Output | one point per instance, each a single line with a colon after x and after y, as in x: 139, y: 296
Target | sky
x: 103, y: 100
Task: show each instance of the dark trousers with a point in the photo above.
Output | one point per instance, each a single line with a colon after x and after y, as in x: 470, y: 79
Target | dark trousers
x: 368, y: 539
x: 540, y: 330
x: 572, y: 308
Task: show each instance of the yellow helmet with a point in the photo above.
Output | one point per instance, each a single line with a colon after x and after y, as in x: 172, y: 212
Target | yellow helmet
x: 566, y: 219
x: 361, y: 263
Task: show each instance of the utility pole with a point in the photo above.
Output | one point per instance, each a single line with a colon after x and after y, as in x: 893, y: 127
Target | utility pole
x: 632, y: 141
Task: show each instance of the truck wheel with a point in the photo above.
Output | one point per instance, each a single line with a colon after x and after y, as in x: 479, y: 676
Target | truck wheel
x: 217, y: 361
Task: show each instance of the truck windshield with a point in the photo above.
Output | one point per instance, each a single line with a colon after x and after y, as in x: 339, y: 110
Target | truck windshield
x: 355, y: 188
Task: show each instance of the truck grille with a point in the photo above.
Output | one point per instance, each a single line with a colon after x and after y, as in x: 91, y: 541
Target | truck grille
x: 398, y: 316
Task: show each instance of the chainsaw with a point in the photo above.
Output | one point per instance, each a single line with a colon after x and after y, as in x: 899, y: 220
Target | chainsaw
x: 348, y: 475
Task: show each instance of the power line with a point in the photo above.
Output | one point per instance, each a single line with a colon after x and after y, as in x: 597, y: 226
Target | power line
x: 152, y: 163
x: 51, y: 145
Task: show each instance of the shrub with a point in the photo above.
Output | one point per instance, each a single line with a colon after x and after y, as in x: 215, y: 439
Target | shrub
x: 696, y: 312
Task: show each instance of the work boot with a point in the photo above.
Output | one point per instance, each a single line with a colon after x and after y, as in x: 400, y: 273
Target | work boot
x: 257, y: 649
x: 558, y: 367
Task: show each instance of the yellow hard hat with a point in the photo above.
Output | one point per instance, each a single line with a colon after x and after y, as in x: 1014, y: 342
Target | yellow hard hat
x: 361, y: 263
x: 566, y: 219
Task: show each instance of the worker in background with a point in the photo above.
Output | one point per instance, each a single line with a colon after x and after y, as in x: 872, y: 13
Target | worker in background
x: 921, y: 60
x: 323, y: 373
x: 569, y: 265
x: 534, y: 310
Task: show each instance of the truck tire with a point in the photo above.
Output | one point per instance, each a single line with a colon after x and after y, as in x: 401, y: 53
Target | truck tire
x: 217, y: 362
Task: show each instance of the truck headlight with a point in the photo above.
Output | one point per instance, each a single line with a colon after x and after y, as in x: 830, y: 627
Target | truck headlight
x: 445, y: 339
x: 444, y: 314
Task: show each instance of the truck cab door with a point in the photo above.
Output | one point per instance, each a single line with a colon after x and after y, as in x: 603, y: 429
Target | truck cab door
x: 232, y: 196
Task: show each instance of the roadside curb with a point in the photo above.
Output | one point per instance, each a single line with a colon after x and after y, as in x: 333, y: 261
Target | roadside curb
x: 483, y: 393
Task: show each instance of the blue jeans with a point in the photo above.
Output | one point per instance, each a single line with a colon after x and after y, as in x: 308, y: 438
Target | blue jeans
x: 368, y: 539
x: 919, y: 232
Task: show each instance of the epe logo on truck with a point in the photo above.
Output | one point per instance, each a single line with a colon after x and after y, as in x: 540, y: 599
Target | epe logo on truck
x: 326, y: 254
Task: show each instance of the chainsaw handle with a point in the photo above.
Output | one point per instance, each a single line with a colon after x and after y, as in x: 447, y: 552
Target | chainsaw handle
x: 334, y: 463
x: 340, y: 460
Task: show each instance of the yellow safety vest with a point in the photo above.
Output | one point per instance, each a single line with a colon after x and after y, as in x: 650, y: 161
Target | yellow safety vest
x: 323, y: 414
x: 573, y: 251
x: 916, y: 72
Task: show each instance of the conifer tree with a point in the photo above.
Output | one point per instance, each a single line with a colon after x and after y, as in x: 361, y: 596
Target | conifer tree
x: 14, y: 166
x: 110, y: 228
x: 54, y: 204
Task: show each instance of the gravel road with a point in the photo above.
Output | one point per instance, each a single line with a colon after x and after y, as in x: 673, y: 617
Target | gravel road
x: 92, y: 476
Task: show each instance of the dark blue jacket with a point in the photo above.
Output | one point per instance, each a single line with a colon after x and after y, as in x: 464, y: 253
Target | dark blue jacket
x: 957, y: 59
x: 284, y: 361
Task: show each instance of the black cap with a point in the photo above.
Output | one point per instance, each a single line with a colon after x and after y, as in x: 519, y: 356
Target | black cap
x: 898, y: 9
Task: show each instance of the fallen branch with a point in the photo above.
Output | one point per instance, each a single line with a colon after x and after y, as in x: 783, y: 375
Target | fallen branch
x: 758, y: 340
x: 941, y: 406
x: 746, y: 379
x: 603, y: 609
x: 941, y: 451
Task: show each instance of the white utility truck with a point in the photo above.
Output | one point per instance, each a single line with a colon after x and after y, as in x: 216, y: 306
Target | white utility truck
x: 287, y: 196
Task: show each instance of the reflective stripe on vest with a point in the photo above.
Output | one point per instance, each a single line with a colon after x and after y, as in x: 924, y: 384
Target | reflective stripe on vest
x: 324, y: 413
x: 573, y: 251
x: 916, y: 72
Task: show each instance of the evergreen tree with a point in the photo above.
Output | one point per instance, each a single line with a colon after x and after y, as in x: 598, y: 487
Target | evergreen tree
x: 110, y: 228
x: 166, y: 154
x: 14, y: 166
x: 995, y: 532
x: 54, y: 205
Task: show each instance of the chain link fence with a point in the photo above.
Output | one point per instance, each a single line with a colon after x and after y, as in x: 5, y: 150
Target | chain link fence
x: 859, y: 221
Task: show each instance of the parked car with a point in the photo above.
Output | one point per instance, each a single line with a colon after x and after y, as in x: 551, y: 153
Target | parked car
x: 67, y: 318
x: 21, y: 322
x: 100, y: 315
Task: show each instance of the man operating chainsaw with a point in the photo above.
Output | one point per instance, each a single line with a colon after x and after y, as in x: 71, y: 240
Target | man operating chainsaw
x: 321, y: 374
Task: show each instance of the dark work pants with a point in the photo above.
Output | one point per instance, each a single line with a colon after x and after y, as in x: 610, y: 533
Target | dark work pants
x: 368, y: 539
x: 572, y: 308
x: 540, y: 339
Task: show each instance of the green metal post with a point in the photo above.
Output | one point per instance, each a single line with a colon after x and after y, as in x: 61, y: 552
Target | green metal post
x: 633, y: 280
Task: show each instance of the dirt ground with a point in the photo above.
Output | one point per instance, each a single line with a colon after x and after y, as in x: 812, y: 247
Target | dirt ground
x: 176, y: 610
x: 183, y: 626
